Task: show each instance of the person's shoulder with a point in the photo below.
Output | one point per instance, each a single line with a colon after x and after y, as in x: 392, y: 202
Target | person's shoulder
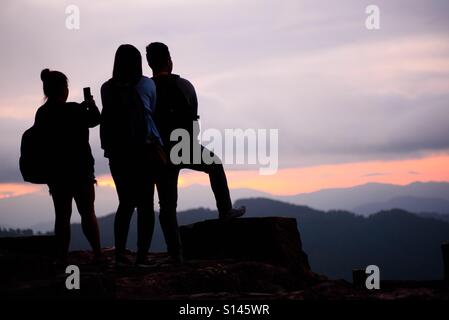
x: 184, y: 83
x: 182, y: 80
x: 42, y: 111
x: 146, y: 79
x: 146, y: 82
x: 106, y: 86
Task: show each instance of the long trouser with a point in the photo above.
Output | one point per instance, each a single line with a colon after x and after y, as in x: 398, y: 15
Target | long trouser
x: 167, y: 188
x: 134, y: 181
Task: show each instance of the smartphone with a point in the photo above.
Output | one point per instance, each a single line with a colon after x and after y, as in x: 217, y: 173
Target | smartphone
x: 87, y: 94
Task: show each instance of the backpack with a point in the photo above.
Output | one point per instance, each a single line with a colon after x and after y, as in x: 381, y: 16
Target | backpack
x: 173, y: 110
x: 33, y: 161
x: 122, y: 127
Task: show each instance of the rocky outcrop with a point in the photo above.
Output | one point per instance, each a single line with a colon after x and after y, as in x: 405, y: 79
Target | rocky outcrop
x: 273, y: 240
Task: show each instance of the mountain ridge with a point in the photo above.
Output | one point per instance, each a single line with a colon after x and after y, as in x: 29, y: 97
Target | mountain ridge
x: 36, y: 210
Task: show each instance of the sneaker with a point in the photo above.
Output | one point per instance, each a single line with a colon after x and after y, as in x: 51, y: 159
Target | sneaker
x: 233, y: 213
x: 144, y: 262
x: 172, y: 260
x: 176, y: 259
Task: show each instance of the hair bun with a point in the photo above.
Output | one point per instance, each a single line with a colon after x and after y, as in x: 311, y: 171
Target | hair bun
x: 44, y: 74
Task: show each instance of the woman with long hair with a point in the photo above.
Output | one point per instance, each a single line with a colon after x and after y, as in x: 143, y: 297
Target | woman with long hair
x: 65, y: 128
x: 127, y: 135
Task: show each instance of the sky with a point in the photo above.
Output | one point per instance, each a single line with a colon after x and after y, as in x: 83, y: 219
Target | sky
x: 351, y: 105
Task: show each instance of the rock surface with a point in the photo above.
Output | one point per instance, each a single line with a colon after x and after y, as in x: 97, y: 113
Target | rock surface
x: 274, y: 240
x: 196, y: 279
x: 42, y: 245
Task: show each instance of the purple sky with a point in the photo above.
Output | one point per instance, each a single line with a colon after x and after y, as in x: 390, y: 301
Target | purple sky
x: 336, y: 91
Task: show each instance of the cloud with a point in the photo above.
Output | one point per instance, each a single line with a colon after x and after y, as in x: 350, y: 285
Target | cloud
x: 331, y: 106
x: 375, y: 174
x: 336, y: 91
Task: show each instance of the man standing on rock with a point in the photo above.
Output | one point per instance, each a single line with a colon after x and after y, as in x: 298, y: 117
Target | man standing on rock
x: 176, y: 108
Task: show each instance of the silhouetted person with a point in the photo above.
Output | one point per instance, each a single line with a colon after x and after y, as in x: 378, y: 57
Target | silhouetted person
x: 65, y: 126
x: 177, y: 107
x: 129, y: 139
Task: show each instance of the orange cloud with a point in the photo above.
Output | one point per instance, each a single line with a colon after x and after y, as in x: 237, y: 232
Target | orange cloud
x: 309, y: 179
x: 8, y: 190
x: 299, y: 180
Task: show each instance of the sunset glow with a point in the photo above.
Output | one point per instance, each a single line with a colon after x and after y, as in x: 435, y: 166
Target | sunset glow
x: 8, y: 190
x: 300, y: 180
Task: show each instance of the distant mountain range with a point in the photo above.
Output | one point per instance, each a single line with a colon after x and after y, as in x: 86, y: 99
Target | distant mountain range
x: 412, y: 204
x: 382, y: 195
x: 404, y: 245
x: 35, y: 210
x: 430, y: 198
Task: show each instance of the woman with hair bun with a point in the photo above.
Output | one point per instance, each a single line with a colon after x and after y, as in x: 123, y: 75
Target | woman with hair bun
x: 65, y: 127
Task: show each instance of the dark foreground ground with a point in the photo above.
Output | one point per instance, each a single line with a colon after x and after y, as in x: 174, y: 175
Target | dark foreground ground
x: 25, y: 276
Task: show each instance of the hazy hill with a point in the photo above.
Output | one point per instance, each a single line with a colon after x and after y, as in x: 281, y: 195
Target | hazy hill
x: 438, y: 216
x: 9, y: 232
x: 412, y: 204
x: 355, y: 197
x: 36, y: 210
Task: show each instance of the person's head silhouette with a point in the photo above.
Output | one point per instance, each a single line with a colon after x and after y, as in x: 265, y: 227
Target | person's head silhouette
x: 127, y: 64
x: 159, y: 59
x: 55, y: 85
